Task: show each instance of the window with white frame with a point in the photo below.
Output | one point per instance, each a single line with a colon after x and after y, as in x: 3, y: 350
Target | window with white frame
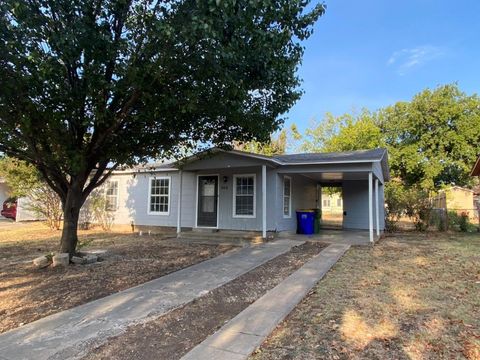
x: 244, y: 195
x: 339, y: 202
x: 326, y: 202
x: 111, y: 195
x: 287, y: 197
x: 159, y: 195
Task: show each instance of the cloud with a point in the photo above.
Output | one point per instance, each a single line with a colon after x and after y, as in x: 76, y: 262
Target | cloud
x: 407, y: 59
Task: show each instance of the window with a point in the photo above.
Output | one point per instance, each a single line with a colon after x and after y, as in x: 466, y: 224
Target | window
x: 111, y: 196
x: 287, y: 197
x: 326, y: 202
x: 244, y: 196
x: 339, y: 202
x: 159, y: 196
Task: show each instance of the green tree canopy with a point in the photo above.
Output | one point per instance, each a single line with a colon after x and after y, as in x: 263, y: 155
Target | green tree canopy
x: 88, y: 85
x: 433, y: 139
x: 343, y: 133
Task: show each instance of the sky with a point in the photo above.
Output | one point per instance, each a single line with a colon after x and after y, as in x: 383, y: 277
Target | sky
x: 373, y: 53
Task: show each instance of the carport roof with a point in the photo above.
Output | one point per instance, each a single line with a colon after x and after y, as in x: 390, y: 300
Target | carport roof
x: 333, y: 157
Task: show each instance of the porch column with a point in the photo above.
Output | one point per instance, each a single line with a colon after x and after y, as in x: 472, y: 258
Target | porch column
x: 264, y: 201
x: 370, y: 206
x: 179, y: 205
x: 377, y: 206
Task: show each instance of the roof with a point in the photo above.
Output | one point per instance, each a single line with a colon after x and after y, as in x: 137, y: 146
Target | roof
x: 357, y: 156
x: 333, y: 157
x: 476, y: 168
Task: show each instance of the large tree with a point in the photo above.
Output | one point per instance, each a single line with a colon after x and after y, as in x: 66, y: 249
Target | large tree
x: 88, y: 85
x: 434, y: 138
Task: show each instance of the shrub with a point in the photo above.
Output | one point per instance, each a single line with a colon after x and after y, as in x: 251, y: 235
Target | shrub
x: 98, y: 204
x: 464, y: 222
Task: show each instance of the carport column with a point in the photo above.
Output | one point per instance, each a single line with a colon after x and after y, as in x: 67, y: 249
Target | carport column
x: 264, y: 201
x: 370, y: 206
x: 377, y: 215
x: 179, y: 205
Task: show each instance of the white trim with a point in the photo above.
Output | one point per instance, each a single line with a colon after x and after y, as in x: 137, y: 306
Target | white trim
x: 179, y: 205
x: 377, y: 215
x: 117, y: 197
x: 370, y: 206
x: 234, y: 192
x: 218, y: 202
x: 264, y: 201
x: 163, y: 213
x: 289, y: 216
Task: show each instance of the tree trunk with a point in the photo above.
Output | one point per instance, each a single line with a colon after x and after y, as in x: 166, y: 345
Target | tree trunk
x: 71, y: 213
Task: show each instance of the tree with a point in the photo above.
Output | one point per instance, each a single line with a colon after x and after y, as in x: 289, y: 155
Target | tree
x: 275, y: 146
x: 88, y: 85
x: 346, y: 132
x: 25, y: 181
x: 433, y: 139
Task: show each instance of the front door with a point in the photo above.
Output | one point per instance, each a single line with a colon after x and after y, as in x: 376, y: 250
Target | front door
x: 207, y: 201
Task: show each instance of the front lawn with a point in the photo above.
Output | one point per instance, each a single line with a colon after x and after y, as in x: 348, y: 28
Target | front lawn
x: 412, y: 296
x: 27, y: 294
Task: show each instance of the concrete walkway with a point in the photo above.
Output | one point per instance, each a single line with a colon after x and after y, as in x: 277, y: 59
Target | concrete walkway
x: 71, y: 333
x: 244, y: 333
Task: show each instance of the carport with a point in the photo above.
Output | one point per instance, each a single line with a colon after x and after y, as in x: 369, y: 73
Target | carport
x: 361, y: 176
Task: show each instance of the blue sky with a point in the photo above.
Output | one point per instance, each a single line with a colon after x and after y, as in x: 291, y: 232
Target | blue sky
x: 372, y: 53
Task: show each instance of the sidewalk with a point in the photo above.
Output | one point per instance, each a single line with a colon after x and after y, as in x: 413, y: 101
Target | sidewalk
x: 237, y: 339
x: 71, y: 333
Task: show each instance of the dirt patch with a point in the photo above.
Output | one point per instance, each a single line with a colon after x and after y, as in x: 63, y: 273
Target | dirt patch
x: 27, y: 294
x: 174, y: 334
x: 412, y: 296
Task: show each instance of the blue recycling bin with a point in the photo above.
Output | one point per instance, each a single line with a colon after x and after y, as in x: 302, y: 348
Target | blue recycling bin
x: 305, y: 222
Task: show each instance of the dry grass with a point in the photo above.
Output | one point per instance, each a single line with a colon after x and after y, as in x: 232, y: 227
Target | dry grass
x: 413, y: 296
x: 27, y: 294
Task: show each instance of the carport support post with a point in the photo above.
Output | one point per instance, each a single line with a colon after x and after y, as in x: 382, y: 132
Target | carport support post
x: 179, y: 205
x: 370, y: 206
x: 264, y: 201
x: 377, y: 215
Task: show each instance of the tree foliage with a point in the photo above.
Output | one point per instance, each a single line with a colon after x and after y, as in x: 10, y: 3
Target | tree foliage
x: 435, y: 138
x: 432, y: 140
x: 24, y: 181
x: 275, y: 146
x: 91, y: 85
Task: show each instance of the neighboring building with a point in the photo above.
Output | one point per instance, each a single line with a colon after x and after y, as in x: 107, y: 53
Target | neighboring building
x: 332, y: 203
x: 458, y: 199
x: 235, y: 190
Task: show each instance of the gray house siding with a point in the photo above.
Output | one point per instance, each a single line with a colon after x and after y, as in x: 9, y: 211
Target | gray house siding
x: 226, y: 220
x: 355, y: 205
x: 133, y: 192
x: 304, y: 194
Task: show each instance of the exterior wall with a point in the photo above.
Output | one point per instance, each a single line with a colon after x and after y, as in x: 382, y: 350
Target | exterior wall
x: 133, y: 199
x: 23, y: 214
x: 226, y: 220
x: 304, y: 196
x: 133, y: 193
x: 355, y: 204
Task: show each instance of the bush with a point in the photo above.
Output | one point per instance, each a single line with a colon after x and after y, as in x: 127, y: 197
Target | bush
x: 98, y: 206
x: 395, y: 201
x: 438, y: 218
x: 464, y: 222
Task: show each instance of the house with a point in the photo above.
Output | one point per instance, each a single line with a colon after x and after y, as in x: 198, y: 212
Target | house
x: 458, y: 199
x: 3, y: 191
x: 235, y: 190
